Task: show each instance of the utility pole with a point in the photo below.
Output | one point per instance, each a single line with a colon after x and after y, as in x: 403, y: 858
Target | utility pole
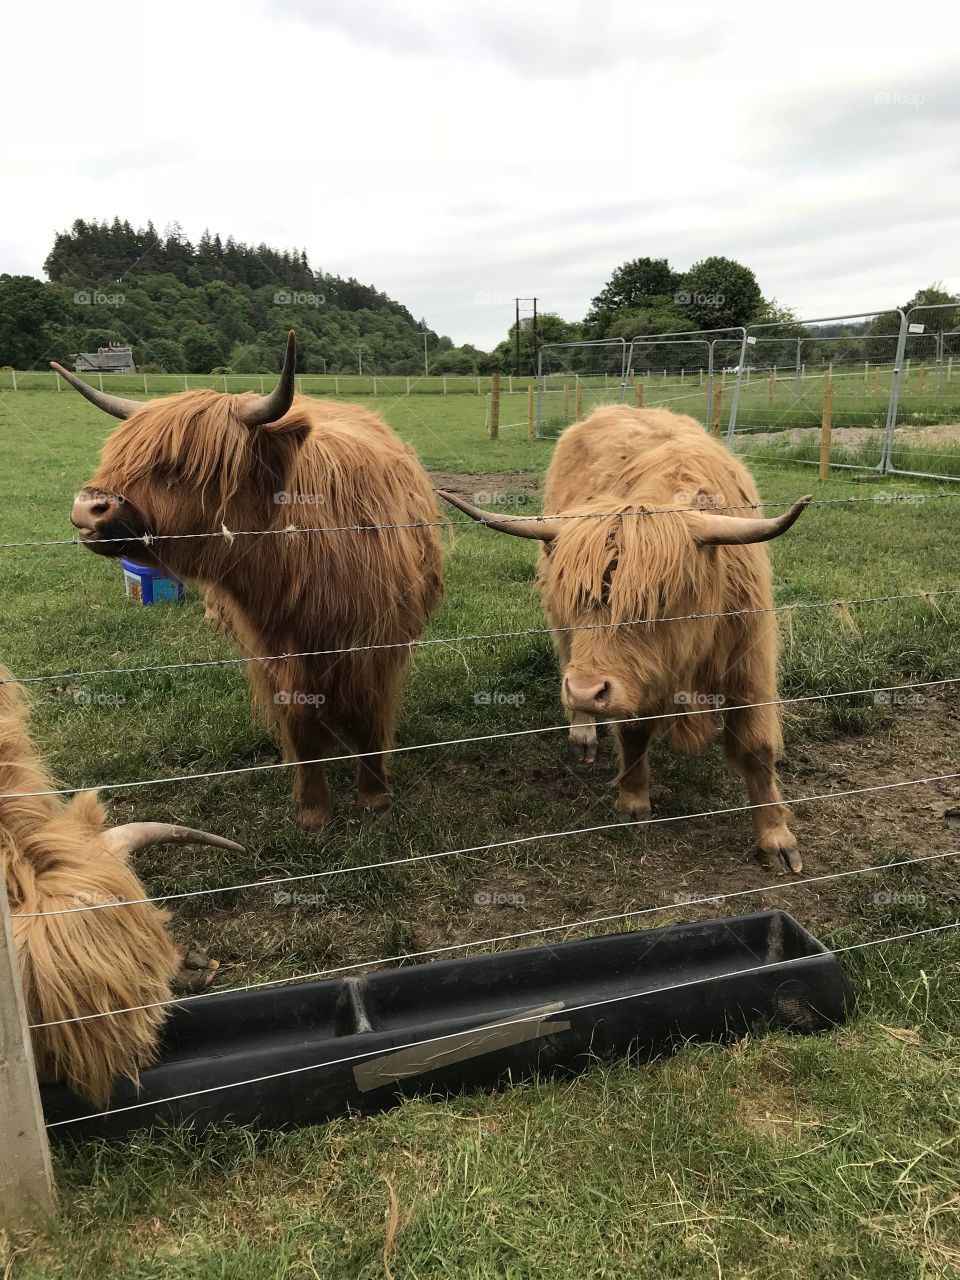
x: 425, y: 369
x: 517, y: 330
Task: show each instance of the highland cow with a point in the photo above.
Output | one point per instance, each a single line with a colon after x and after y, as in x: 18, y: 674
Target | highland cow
x: 620, y: 574
x: 81, y: 964
x: 256, y: 473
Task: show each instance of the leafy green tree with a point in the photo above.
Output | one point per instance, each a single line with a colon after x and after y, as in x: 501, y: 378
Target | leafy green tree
x: 162, y: 355
x: 36, y: 323
x: 204, y: 347
x: 719, y: 293
x: 631, y: 285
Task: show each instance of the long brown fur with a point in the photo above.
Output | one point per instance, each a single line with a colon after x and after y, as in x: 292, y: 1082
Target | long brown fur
x: 188, y: 464
x: 54, y: 856
x: 624, y: 566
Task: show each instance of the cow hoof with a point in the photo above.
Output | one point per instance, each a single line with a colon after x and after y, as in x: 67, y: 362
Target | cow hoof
x: 376, y: 805
x: 196, y: 973
x: 634, y: 806
x: 778, y: 850
x: 313, y: 819
x: 584, y: 752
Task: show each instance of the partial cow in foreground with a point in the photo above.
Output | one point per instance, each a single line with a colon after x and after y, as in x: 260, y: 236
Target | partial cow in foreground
x: 56, y: 857
x: 345, y: 603
x: 620, y: 574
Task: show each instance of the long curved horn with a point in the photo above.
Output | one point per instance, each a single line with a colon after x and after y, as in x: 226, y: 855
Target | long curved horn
x: 541, y: 527
x: 266, y: 409
x: 137, y: 835
x: 713, y: 530
x: 115, y: 405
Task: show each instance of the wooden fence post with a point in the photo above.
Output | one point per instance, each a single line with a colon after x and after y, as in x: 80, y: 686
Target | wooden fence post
x: 639, y: 394
x: 826, y: 425
x: 715, y: 414
x: 566, y: 400
x: 530, y: 413
x: 579, y: 401
x: 494, y: 406
x: 923, y: 379
x: 27, y: 1192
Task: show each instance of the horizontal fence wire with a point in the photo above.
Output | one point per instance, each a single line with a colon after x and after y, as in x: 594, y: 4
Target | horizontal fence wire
x: 505, y: 1022
x: 927, y: 596
x: 625, y: 824
x: 619, y: 917
x: 482, y: 737
x: 290, y: 530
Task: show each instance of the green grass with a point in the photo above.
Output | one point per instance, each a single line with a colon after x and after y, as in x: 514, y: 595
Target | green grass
x: 829, y: 1157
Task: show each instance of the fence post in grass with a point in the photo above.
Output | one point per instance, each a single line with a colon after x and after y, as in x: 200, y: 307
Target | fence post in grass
x: 27, y: 1192
x: 494, y: 406
x: 826, y: 425
x: 566, y: 399
x: 715, y: 410
x: 579, y: 401
x: 374, y: 384
x: 530, y: 413
x: 510, y: 384
x: 444, y: 384
x: 336, y: 386
x: 773, y: 384
x: 949, y: 367
x: 408, y: 386
x: 639, y: 394
x: 13, y: 373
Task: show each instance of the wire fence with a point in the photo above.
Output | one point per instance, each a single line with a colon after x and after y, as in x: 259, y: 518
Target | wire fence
x: 657, y: 356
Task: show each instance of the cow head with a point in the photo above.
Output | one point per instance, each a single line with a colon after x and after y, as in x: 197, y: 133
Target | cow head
x: 604, y: 569
x: 187, y: 464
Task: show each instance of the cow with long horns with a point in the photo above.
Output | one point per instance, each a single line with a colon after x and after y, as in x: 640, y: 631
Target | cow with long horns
x: 252, y: 475
x: 82, y: 958
x: 650, y: 569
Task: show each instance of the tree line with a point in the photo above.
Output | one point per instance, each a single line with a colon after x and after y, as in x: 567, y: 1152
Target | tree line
x: 224, y: 306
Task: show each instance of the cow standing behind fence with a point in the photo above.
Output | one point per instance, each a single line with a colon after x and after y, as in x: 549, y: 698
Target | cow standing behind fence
x: 610, y: 577
x: 203, y: 462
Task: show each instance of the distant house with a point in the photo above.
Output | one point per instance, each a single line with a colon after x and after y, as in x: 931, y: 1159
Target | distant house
x: 112, y: 359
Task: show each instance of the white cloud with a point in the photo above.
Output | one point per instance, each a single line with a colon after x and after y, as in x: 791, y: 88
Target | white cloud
x: 443, y: 151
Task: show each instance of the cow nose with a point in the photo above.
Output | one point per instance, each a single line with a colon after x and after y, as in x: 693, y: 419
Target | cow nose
x: 91, y: 508
x: 591, y: 694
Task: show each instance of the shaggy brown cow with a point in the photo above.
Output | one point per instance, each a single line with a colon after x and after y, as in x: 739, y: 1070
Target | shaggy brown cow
x: 204, y: 461
x: 55, y: 856
x: 619, y: 566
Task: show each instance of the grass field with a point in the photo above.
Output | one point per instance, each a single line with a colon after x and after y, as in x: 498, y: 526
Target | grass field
x: 828, y: 1157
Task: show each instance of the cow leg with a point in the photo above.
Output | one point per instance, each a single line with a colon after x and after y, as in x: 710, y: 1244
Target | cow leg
x: 583, y: 737
x: 373, y: 733
x: 751, y: 740
x: 307, y: 739
x: 633, y: 780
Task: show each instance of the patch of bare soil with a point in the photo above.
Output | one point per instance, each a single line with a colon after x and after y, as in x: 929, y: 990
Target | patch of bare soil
x: 853, y: 437
x: 487, y: 488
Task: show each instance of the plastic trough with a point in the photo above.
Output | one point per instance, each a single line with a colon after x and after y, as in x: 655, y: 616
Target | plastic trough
x: 360, y: 1043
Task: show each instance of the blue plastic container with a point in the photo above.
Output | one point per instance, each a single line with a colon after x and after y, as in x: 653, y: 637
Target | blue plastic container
x: 150, y: 586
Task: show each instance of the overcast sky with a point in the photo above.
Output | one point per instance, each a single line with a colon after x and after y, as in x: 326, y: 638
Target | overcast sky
x: 457, y: 154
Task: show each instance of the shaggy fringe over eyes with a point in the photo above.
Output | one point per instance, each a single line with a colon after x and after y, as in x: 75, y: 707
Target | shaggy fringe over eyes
x: 626, y: 563
x: 53, y: 855
x: 196, y: 435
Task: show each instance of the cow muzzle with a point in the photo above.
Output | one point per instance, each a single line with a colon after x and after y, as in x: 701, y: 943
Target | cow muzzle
x: 106, y: 522
x: 596, y: 694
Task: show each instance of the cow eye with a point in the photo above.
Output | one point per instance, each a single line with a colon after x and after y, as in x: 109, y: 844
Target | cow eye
x: 607, y: 580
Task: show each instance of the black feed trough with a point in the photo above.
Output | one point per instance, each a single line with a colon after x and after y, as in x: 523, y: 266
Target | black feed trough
x: 292, y: 1056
